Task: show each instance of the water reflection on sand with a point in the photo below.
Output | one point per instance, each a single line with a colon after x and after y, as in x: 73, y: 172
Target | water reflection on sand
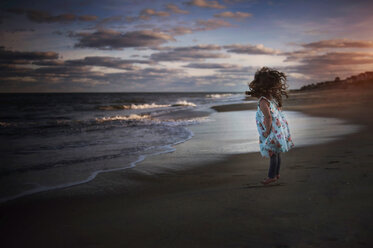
x: 236, y: 132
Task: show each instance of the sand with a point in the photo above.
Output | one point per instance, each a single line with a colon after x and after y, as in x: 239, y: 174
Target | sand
x: 323, y: 198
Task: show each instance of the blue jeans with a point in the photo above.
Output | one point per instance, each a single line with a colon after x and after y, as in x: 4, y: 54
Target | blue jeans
x: 274, y: 165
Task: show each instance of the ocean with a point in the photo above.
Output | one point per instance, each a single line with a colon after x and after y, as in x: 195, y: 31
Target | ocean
x: 55, y: 140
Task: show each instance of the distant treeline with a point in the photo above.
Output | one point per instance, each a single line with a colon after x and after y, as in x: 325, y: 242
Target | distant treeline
x: 361, y: 78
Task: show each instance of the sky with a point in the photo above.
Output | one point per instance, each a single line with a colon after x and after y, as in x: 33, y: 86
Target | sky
x: 179, y: 46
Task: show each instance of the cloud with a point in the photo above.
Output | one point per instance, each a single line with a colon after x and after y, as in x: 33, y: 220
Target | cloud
x: 175, y: 9
x: 237, y: 1
x: 299, y: 54
x: 229, y: 14
x: 205, y: 47
x: 49, y: 62
x: 41, y: 16
x: 20, y: 30
x: 80, y: 75
x: 251, y: 49
x: 18, y: 57
x: 108, y: 20
x: 199, y: 52
x: 102, y: 61
x: 199, y: 25
x: 110, y: 62
x: 179, y: 30
x: 145, y: 14
x: 339, y: 43
x: 212, y: 66
x: 336, y: 58
x: 205, y: 4
x: 210, y: 24
x: 45, y: 17
x: 111, y: 39
x: 319, y: 67
x: 87, y: 18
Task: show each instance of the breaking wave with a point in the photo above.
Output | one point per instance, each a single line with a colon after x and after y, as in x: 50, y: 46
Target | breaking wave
x: 123, y: 118
x: 183, y: 103
x: 217, y: 95
x: 146, y: 106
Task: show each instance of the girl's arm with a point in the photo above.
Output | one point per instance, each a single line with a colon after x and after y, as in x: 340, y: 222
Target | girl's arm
x: 264, y: 107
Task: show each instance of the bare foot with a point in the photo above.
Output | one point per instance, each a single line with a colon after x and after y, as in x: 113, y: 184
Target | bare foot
x: 268, y: 180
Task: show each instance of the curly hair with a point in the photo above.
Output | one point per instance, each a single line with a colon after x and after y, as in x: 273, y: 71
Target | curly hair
x: 269, y: 82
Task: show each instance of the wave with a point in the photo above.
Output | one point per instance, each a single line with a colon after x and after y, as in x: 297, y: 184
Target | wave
x: 146, y: 106
x: 147, y: 119
x: 217, y: 95
x: 183, y: 103
x: 132, y: 120
x: 123, y: 118
x: 134, y: 106
x: 41, y: 188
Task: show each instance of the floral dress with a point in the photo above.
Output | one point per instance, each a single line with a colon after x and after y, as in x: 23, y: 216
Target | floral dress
x: 279, y: 139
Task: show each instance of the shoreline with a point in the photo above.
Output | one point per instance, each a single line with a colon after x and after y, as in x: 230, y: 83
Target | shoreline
x: 148, y: 162
x: 218, y: 204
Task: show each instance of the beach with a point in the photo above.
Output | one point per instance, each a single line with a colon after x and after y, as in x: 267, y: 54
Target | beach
x: 323, y: 198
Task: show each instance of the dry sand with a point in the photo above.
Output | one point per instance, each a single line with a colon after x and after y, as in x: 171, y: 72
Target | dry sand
x: 323, y: 199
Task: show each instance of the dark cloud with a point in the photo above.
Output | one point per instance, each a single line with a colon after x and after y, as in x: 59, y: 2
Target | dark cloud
x: 45, y: 17
x: 69, y: 77
x: 339, y: 43
x: 212, y: 66
x: 199, y: 52
x: 108, y: 20
x: 250, y: 49
x: 87, y: 18
x: 49, y: 62
x: 111, y: 39
x: 14, y: 57
x: 204, y: 47
x: 146, y: 14
x: 200, y: 47
x: 205, y: 4
x: 110, y: 62
x: 51, y: 73
x: 20, y: 30
x: 186, y: 56
x: 237, y: 15
x: 336, y: 58
x: 103, y: 61
x: 319, y: 67
x: 42, y: 17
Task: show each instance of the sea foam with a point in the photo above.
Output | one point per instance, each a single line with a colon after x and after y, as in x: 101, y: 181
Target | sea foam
x: 217, y: 95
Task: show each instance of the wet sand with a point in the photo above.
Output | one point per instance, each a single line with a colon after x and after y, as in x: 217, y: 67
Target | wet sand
x: 323, y: 199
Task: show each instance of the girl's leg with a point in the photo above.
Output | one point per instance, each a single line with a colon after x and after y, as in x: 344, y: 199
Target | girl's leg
x: 272, y: 166
x: 278, y: 164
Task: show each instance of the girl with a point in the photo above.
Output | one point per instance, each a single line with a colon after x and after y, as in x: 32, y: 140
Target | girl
x: 274, y: 136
